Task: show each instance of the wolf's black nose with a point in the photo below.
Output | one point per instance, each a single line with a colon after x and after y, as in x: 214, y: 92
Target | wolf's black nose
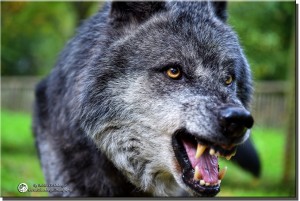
x: 235, y: 121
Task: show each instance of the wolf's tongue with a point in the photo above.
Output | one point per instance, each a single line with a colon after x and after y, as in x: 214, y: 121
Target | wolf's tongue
x: 207, y: 164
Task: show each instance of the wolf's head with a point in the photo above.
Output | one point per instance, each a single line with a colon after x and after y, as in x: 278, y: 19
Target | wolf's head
x: 168, y: 95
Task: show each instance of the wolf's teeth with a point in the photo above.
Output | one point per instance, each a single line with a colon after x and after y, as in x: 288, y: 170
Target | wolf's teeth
x: 219, y: 182
x: 197, y: 175
x: 218, y: 154
x: 212, y: 151
x: 222, y: 173
x: 202, y: 182
x: 228, y: 157
x: 207, y: 184
x: 200, y: 150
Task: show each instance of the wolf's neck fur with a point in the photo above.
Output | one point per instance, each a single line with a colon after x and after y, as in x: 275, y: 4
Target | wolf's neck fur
x: 97, y: 176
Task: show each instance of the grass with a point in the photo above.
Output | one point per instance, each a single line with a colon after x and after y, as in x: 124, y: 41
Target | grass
x: 19, y: 163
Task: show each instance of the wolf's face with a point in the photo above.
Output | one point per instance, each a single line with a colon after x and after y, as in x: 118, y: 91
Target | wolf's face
x: 169, y: 97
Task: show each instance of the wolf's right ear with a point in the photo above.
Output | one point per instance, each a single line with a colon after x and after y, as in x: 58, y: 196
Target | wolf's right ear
x: 220, y: 8
x: 137, y: 12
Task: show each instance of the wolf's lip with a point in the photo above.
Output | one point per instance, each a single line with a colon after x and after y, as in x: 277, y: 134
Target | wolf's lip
x: 199, y: 162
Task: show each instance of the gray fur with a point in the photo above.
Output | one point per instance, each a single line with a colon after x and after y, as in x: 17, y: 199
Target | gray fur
x: 105, y: 116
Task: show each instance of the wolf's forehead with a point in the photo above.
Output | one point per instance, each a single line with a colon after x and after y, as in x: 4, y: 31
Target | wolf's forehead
x: 197, y: 9
x: 203, y: 47
x: 198, y: 20
x: 194, y: 38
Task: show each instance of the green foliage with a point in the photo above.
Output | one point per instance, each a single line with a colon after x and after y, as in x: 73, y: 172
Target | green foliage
x: 265, y: 30
x: 33, y: 34
x: 20, y: 162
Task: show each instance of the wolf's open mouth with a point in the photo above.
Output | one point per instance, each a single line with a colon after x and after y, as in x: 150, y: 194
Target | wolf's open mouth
x: 198, y: 159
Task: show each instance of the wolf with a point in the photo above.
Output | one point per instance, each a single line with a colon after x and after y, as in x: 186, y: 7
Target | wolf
x: 143, y: 101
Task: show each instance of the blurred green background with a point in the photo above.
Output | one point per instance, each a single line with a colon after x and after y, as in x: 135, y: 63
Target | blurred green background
x: 33, y: 34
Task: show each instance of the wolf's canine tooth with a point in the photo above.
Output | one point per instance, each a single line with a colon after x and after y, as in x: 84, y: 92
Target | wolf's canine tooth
x: 202, y: 182
x: 222, y: 173
x: 228, y: 157
x: 197, y: 175
x: 200, y: 150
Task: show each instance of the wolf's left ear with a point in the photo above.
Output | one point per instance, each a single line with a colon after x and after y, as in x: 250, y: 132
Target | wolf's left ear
x: 220, y: 8
x: 127, y: 12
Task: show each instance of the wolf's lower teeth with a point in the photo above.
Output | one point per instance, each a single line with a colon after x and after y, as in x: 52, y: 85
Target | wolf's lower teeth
x: 197, y: 175
x: 203, y: 183
x: 222, y: 173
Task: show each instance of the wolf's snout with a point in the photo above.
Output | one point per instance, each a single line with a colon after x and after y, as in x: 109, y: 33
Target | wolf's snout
x: 235, y: 121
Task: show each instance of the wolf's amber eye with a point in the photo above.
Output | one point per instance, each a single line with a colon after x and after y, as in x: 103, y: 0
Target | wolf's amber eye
x: 173, y: 72
x: 228, y: 80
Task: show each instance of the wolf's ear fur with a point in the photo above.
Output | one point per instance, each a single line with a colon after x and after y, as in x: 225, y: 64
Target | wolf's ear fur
x: 126, y: 12
x: 220, y: 8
